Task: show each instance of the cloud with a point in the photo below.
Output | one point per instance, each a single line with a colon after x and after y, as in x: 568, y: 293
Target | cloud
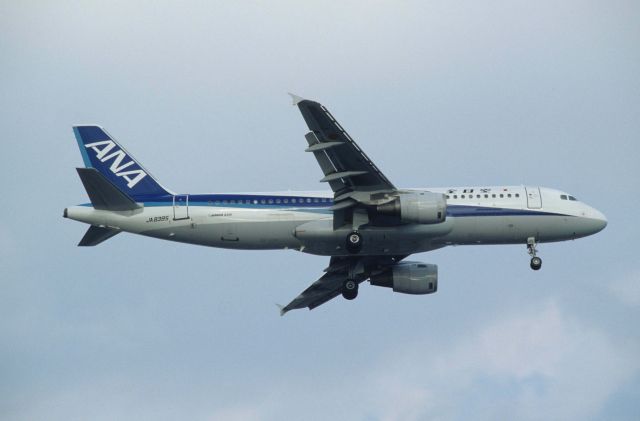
x: 138, y: 330
x: 540, y: 365
x: 536, y: 364
x: 627, y: 288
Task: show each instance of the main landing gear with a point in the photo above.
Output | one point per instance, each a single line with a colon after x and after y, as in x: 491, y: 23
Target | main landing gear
x: 536, y: 262
x: 350, y: 289
x: 354, y: 242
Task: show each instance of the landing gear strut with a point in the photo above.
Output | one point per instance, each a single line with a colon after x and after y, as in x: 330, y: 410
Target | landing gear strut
x: 350, y: 289
x: 354, y: 242
x: 536, y: 262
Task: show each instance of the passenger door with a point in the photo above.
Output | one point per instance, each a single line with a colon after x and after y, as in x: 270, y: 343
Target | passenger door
x: 534, y: 199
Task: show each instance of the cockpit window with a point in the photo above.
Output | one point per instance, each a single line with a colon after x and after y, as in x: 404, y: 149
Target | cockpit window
x: 572, y: 198
x: 563, y: 196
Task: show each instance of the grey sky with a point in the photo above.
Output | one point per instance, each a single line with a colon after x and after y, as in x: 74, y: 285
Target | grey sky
x: 472, y: 93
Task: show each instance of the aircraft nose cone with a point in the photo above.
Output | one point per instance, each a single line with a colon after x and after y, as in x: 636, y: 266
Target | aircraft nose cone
x: 599, y: 220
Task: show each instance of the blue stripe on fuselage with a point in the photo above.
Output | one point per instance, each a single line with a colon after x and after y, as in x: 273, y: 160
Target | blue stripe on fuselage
x: 240, y: 200
x: 463, y: 211
x: 291, y: 202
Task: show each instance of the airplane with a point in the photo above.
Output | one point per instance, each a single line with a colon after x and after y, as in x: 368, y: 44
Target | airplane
x: 365, y: 224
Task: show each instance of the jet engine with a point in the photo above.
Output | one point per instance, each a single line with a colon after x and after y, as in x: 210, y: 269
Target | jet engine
x: 417, y: 207
x: 409, y: 278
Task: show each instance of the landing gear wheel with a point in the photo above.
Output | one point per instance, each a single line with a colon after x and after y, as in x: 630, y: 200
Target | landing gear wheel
x: 354, y: 242
x: 350, y: 289
x: 536, y: 263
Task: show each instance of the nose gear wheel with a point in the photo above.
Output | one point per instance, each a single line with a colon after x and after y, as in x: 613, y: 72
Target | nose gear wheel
x: 536, y: 262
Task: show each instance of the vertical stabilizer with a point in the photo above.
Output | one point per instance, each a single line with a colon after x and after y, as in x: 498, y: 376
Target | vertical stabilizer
x: 100, y: 151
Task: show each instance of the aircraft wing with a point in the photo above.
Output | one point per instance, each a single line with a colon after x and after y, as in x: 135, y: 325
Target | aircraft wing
x: 340, y: 269
x: 353, y: 177
x: 328, y: 287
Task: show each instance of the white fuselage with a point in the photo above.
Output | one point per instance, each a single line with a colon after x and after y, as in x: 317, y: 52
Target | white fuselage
x: 478, y: 215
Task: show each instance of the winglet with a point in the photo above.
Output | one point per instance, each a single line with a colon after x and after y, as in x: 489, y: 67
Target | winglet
x: 282, y: 310
x: 296, y: 99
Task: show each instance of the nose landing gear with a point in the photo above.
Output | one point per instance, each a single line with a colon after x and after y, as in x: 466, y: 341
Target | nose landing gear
x: 536, y: 262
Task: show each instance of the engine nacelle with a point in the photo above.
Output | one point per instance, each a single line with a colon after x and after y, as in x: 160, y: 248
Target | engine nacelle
x: 409, y: 278
x: 417, y: 207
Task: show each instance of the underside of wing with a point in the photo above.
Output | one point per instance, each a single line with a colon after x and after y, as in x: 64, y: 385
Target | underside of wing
x: 355, y: 180
x: 332, y: 283
x: 345, y: 166
x: 324, y: 289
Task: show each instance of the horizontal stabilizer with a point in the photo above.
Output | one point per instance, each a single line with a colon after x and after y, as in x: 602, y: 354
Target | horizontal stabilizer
x: 96, y: 235
x: 103, y: 194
